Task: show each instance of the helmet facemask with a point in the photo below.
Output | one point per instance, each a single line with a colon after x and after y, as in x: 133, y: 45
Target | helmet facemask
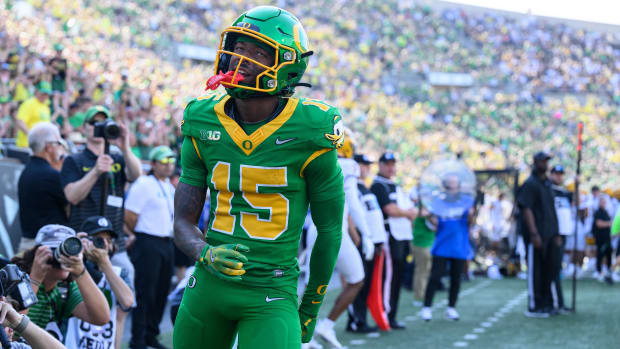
x: 266, y: 82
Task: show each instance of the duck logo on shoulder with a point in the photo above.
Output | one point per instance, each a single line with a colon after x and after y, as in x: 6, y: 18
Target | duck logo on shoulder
x: 337, y: 137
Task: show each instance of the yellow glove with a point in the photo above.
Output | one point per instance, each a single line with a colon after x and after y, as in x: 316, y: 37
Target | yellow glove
x: 225, y: 261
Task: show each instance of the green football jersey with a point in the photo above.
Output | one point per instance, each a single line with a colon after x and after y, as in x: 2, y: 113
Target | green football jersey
x: 258, y: 191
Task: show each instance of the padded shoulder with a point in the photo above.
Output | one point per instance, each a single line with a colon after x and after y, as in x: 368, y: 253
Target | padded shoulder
x: 198, y: 111
x: 324, y: 121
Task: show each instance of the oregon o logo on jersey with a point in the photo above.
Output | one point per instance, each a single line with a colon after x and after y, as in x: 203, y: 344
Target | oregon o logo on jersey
x: 247, y: 145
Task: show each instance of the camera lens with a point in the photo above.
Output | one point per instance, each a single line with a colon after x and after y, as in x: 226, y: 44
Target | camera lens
x: 112, y: 131
x: 98, y: 242
x: 70, y: 247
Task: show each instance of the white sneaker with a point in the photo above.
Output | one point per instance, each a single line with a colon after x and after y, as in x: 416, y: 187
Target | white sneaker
x: 327, y: 334
x: 615, y: 277
x: 600, y: 277
x: 426, y: 314
x: 417, y: 303
x: 451, y: 314
x: 313, y: 344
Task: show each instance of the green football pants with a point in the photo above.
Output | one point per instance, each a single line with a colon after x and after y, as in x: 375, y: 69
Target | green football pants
x: 214, y: 310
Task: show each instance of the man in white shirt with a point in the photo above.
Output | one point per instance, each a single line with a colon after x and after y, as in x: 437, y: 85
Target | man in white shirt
x: 149, y: 213
x: 563, y: 200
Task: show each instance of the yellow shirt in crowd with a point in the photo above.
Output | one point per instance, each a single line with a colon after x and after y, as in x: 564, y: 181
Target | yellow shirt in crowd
x: 31, y: 112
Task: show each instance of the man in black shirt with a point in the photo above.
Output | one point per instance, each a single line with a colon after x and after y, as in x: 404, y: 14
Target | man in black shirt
x: 41, y: 199
x: 398, y: 213
x: 82, y: 174
x: 601, y: 229
x: 540, y: 231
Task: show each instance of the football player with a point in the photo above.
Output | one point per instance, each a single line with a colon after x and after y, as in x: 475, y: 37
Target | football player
x: 265, y: 156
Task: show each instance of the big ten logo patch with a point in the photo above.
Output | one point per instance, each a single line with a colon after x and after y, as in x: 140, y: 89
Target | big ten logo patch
x: 209, y: 135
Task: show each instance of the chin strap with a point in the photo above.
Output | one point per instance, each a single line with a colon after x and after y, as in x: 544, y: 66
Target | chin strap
x: 302, y: 84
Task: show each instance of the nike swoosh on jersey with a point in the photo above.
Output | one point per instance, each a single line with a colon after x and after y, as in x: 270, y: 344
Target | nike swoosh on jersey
x: 280, y: 142
x: 268, y: 300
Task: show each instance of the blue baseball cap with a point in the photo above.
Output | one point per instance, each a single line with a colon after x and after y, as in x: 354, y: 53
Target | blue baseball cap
x: 557, y: 169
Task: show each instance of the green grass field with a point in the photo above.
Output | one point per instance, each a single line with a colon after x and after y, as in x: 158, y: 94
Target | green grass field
x: 492, y: 317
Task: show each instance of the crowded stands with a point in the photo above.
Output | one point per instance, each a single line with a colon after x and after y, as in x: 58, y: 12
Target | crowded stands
x: 519, y: 79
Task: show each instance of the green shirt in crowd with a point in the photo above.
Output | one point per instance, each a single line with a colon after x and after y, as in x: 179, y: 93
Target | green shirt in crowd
x: 422, y: 235
x: 51, y: 306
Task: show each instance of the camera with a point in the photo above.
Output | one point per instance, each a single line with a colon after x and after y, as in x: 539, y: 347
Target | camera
x: 98, y: 241
x: 107, y: 129
x: 70, y: 247
x: 16, y: 283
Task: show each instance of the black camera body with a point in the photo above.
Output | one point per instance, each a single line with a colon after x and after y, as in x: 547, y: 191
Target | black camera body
x: 107, y: 129
x: 71, y: 246
x: 16, y: 283
x: 98, y: 241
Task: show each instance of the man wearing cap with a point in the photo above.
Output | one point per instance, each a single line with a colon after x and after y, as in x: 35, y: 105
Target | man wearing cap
x: 58, y: 67
x: 566, y: 227
x: 374, y: 219
x: 57, y: 299
x: 149, y: 213
x: 41, y: 198
x: 111, y: 280
x: 398, y: 213
x: 81, y: 174
x: 540, y: 232
x: 32, y: 111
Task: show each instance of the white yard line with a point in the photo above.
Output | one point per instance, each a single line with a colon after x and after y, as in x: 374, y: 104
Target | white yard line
x: 491, y: 320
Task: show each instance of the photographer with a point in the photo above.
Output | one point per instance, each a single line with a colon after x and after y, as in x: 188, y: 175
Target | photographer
x: 48, y: 264
x: 82, y: 176
x: 112, y: 281
x: 37, y: 338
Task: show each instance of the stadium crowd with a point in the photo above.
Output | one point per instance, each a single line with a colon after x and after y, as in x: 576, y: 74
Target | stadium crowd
x: 533, y: 82
x: 541, y: 91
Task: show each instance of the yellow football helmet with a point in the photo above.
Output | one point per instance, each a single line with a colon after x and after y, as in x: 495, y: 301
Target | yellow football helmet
x: 348, y: 146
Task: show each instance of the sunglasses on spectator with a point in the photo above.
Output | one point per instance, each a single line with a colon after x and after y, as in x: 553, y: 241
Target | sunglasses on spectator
x: 54, y: 142
x: 167, y: 161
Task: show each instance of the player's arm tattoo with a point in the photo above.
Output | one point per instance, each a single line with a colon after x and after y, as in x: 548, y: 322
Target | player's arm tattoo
x: 188, y: 203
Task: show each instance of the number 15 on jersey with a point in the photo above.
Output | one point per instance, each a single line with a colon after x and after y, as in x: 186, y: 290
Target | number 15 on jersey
x: 252, y: 179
